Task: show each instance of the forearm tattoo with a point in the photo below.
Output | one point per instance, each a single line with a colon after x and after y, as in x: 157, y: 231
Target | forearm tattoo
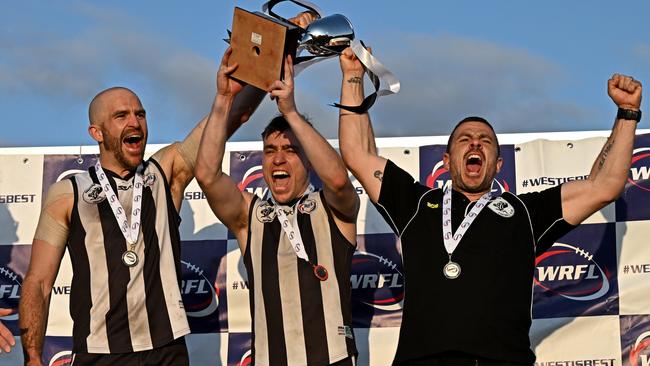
x: 603, y: 154
x: 379, y: 175
x: 355, y: 80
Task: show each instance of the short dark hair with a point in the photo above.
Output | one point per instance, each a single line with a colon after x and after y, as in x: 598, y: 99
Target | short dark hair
x: 278, y: 124
x: 473, y: 119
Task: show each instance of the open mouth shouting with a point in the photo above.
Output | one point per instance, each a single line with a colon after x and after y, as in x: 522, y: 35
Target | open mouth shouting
x: 280, y: 179
x: 133, y: 142
x: 473, y: 164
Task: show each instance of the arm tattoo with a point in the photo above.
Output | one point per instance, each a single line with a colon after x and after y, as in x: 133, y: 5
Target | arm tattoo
x: 603, y: 154
x: 355, y: 80
x: 379, y: 175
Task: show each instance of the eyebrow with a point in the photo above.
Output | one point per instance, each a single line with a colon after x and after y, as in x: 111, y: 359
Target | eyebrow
x: 283, y: 147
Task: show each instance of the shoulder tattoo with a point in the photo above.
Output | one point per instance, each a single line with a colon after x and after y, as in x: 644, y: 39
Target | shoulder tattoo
x: 379, y: 175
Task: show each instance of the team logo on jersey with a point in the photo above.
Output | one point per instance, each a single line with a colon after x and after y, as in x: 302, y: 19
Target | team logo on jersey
x: 149, y: 179
x: 94, y: 194
x: 307, y: 206
x: 265, y: 212
x: 501, y: 207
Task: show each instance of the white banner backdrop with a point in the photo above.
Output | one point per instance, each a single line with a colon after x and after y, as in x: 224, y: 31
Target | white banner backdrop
x: 591, y: 302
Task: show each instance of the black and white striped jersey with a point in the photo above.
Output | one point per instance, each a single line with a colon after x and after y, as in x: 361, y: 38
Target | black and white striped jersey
x: 115, y: 308
x: 298, y: 319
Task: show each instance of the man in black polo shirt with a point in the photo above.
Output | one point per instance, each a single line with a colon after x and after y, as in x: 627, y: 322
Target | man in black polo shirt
x: 464, y: 249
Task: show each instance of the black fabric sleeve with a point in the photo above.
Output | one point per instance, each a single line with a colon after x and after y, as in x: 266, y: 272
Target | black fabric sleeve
x: 398, y: 197
x: 545, y: 210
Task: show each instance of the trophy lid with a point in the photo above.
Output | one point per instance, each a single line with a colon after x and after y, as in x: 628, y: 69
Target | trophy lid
x: 328, y: 35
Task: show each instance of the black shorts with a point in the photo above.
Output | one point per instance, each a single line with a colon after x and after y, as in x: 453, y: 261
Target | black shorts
x: 171, y: 354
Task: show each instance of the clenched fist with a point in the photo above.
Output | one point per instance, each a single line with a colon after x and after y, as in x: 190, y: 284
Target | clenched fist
x: 625, y: 91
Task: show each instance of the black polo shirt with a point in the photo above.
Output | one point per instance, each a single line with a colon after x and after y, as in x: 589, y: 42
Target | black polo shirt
x: 486, y: 311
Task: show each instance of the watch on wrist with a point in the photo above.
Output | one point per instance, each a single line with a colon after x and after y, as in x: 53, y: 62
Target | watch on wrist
x: 629, y: 114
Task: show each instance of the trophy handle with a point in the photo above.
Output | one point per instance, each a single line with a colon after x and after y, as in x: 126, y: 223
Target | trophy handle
x: 267, y: 7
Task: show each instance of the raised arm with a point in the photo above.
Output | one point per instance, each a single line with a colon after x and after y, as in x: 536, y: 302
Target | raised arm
x: 325, y: 161
x: 178, y: 160
x: 47, y: 250
x: 607, y: 178
x: 356, y: 138
x: 228, y: 203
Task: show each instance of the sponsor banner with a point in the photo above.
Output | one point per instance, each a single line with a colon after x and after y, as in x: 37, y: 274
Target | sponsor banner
x: 198, y: 222
x: 57, y: 351
x: 577, y: 275
x: 238, y: 292
x: 543, y: 164
x: 59, y: 323
x: 14, y: 260
x: 370, y: 220
x: 239, y: 349
x: 633, y: 203
x: 20, y: 197
x: 433, y: 173
x: 635, y: 340
x: 59, y: 167
x: 583, y: 341
x: 634, y: 266
x: 203, y: 271
x: 377, y: 282
x: 207, y: 348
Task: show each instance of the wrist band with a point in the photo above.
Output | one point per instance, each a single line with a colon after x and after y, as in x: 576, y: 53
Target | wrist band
x: 629, y: 114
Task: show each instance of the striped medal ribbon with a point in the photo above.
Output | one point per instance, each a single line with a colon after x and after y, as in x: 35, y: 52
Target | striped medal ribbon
x: 130, y: 232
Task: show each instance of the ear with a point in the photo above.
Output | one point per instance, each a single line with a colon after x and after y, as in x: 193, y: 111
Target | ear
x: 96, y: 133
x: 445, y: 160
x: 499, y: 163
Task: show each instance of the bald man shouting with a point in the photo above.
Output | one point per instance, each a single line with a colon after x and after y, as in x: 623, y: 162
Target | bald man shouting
x: 119, y: 221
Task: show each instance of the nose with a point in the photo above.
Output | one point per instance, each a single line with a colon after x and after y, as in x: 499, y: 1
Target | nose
x: 132, y: 121
x: 476, y: 143
x: 279, y: 157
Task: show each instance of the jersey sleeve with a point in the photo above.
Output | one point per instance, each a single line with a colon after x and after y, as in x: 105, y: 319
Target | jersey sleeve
x: 399, y: 196
x: 545, y: 212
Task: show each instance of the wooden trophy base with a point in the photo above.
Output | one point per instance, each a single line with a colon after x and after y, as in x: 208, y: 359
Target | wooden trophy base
x: 259, y: 45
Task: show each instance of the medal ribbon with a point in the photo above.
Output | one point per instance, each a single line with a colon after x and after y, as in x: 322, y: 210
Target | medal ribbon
x: 292, y: 231
x: 130, y: 232
x: 452, y: 240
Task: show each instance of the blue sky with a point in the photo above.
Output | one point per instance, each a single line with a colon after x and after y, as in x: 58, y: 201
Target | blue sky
x: 526, y: 66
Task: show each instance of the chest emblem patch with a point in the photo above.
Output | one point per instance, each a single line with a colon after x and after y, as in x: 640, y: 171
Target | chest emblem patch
x: 94, y: 194
x: 307, y: 207
x: 265, y: 213
x: 501, y: 207
x: 149, y: 180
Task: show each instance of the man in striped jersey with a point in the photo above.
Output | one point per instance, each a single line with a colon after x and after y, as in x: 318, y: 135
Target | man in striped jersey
x: 119, y: 221
x: 298, y: 244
